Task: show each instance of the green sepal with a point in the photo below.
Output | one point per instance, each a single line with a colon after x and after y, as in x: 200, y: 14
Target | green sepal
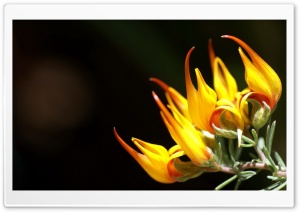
x: 236, y: 164
x: 223, y: 132
x: 188, y: 170
x: 260, y: 113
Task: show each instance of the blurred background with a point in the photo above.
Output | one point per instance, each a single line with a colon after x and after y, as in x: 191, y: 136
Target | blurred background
x: 73, y: 81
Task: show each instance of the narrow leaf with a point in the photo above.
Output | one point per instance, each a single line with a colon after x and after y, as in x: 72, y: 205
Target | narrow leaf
x: 268, y: 137
x: 231, y: 150
x: 219, y: 152
x: 280, y: 161
x: 273, y: 186
x: 261, y: 143
x: 272, y: 131
x: 270, y: 160
x: 254, y: 133
x: 280, y: 186
x: 247, y: 145
x: 272, y: 178
x: 245, y: 175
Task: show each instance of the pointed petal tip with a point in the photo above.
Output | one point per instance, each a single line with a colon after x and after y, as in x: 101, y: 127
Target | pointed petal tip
x: 191, y: 49
x: 156, y: 98
x: 115, y: 131
x: 163, y: 85
x: 154, y: 95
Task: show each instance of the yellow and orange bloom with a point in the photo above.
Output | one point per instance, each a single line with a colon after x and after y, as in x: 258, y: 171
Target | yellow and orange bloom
x: 185, y: 134
x: 265, y: 87
x: 260, y: 77
x: 161, y: 164
x: 194, y: 121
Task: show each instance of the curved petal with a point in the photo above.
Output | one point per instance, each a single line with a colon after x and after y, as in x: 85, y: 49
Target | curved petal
x: 174, y: 97
x: 207, y: 99
x: 224, y: 84
x: 192, y: 99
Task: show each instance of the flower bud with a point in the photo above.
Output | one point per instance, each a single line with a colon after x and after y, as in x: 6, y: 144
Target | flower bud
x: 260, y: 114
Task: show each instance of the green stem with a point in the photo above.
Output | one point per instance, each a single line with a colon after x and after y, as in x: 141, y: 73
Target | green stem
x: 238, y: 183
x: 245, y: 166
x: 260, y: 154
x: 226, y: 182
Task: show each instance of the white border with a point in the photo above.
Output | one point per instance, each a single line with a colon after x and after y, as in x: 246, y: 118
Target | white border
x: 146, y: 198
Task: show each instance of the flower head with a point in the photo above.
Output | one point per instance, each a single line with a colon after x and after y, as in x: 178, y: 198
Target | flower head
x: 260, y: 77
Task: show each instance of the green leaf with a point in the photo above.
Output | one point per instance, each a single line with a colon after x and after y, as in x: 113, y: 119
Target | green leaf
x: 244, y: 138
x: 270, y: 165
x: 261, y: 143
x: 273, y: 178
x: 219, y: 152
x: 280, y: 186
x: 245, y: 175
x: 269, y: 161
x: 247, y: 145
x: 231, y: 150
x: 271, y: 187
x: 270, y: 135
x: 255, y: 136
x: 280, y: 161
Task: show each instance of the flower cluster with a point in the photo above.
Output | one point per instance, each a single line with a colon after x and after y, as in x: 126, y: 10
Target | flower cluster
x: 194, y: 122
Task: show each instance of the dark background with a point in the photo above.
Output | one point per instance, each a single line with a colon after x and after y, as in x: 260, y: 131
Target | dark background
x: 73, y: 81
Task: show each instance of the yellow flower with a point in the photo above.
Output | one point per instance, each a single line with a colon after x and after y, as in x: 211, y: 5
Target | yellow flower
x: 155, y: 159
x: 161, y: 164
x: 224, y: 84
x: 201, y: 102
x: 184, y: 134
x: 260, y: 77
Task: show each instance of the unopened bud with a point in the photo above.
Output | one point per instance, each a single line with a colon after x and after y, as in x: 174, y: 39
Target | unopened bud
x: 260, y: 115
